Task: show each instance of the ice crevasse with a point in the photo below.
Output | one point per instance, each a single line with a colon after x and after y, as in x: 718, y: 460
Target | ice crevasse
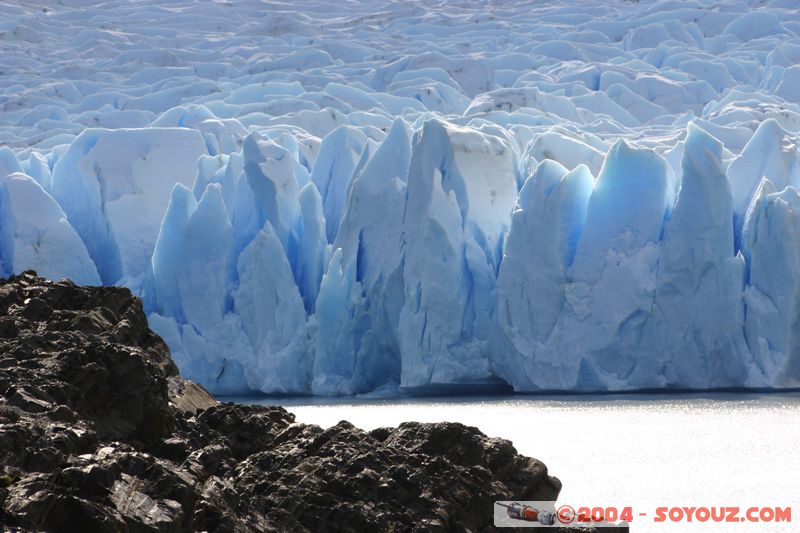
x: 454, y: 263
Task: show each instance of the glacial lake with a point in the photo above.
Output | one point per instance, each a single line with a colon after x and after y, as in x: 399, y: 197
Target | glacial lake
x: 642, y: 451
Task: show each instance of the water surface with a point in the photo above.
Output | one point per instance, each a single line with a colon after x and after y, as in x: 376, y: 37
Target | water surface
x: 642, y: 451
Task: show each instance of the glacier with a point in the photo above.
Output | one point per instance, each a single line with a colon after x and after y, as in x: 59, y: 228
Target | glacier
x: 382, y: 198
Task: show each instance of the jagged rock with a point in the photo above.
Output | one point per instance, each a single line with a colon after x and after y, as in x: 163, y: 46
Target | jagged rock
x: 98, y: 432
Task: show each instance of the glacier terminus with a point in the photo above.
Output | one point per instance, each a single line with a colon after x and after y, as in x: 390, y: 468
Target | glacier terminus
x: 382, y: 197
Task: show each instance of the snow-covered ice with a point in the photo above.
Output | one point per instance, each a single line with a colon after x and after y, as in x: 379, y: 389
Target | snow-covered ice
x: 341, y: 198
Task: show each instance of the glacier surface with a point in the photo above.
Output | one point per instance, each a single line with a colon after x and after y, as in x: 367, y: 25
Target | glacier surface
x: 381, y: 197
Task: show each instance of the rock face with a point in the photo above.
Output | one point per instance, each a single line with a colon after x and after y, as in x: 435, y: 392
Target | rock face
x: 98, y: 432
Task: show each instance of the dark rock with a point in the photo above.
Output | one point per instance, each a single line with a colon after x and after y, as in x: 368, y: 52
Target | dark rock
x: 98, y: 432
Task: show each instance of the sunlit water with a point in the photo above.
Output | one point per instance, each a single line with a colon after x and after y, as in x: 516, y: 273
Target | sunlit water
x: 638, y: 451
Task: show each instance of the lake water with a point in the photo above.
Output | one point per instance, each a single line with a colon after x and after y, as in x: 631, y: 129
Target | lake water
x: 639, y: 451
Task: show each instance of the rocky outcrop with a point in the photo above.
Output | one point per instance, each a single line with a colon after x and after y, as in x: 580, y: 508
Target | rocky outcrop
x: 98, y: 432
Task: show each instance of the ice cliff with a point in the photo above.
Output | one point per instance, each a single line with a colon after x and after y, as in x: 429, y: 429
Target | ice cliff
x: 591, y: 199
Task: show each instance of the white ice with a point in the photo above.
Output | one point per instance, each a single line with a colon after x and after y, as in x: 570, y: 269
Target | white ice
x: 335, y: 198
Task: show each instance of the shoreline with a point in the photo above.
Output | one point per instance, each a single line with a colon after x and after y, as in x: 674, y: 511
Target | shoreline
x: 102, y: 434
x: 656, y: 395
